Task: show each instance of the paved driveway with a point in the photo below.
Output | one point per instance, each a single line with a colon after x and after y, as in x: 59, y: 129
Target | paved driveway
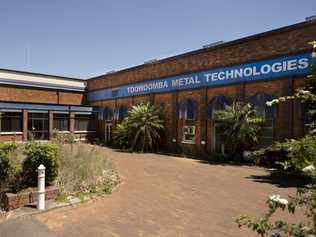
x: 166, y: 196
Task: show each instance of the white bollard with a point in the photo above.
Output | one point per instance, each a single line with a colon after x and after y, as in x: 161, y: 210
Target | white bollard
x: 41, y: 188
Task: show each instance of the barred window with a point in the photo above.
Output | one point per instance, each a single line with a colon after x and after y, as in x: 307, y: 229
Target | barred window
x: 61, y: 122
x: 11, y: 121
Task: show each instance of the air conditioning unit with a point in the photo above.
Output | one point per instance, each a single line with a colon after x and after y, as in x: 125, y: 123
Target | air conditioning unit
x: 151, y: 61
x: 110, y: 72
x: 213, y: 44
x: 310, y: 18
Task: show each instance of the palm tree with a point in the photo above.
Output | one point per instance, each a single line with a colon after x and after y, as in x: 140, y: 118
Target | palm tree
x: 239, y: 126
x: 142, y: 128
x: 121, y: 135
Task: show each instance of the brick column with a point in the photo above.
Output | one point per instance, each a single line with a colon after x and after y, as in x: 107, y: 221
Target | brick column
x: 25, y: 120
x: 72, y: 122
x: 50, y: 125
x: 203, y: 118
x: 174, y: 121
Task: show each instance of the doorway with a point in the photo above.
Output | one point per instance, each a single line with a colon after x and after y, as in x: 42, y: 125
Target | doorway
x: 218, y: 144
x: 108, y: 132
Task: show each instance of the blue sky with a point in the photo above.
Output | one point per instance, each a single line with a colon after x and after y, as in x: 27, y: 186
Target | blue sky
x: 86, y: 38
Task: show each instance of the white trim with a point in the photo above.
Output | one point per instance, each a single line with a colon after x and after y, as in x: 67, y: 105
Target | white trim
x: 11, y: 110
x: 63, y: 131
x: 184, y: 133
x: 38, y: 111
x: 188, y: 142
x: 81, y: 139
x: 84, y: 131
x: 60, y: 112
x: 11, y: 133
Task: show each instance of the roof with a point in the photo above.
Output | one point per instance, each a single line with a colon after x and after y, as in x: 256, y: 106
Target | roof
x: 39, y: 74
x: 223, y: 45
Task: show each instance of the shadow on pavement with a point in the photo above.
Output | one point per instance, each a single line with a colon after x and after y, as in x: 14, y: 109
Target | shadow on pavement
x: 281, y: 179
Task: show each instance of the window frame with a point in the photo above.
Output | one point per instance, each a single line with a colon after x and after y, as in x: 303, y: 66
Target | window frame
x: 89, y: 127
x: 61, y: 117
x: 18, y: 118
x: 186, y: 131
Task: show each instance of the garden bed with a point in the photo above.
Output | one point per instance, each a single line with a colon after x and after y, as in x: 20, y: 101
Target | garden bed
x: 74, y: 169
x: 11, y: 201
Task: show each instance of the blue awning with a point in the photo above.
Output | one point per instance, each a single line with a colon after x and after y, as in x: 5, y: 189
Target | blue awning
x: 46, y: 107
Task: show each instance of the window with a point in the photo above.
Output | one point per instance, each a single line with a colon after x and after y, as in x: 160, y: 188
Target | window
x: 188, y: 134
x: 120, y: 112
x: 268, y: 113
x: 61, y: 122
x: 11, y: 121
x: 107, y: 114
x: 218, y: 140
x: 84, y: 122
x: 38, y: 125
x: 216, y: 104
x: 100, y: 113
x: 187, y: 110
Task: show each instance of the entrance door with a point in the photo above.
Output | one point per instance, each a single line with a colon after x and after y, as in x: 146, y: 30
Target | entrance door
x: 38, y: 125
x: 218, y: 141
x: 108, y: 132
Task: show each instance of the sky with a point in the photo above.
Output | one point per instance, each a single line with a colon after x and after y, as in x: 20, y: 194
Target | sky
x: 85, y: 38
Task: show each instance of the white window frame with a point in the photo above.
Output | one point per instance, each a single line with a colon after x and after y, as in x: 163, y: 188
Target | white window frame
x: 188, y: 130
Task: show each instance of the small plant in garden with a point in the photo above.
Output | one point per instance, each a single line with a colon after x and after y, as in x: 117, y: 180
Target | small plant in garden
x: 36, y: 154
x: 141, y: 130
x: 239, y: 126
x: 122, y: 135
x: 84, y: 170
x: 11, y: 157
x: 62, y: 138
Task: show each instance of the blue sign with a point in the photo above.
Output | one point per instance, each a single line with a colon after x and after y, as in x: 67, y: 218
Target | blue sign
x: 262, y: 70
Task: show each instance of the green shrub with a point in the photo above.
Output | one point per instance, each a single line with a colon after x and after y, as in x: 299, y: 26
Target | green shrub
x: 36, y: 154
x: 240, y: 126
x: 219, y: 158
x: 141, y: 130
x: 62, y: 138
x: 5, y: 164
x: 122, y: 136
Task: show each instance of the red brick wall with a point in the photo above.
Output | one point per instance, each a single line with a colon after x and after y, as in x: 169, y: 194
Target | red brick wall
x: 18, y: 137
x: 283, y: 42
x: 287, y: 41
x: 32, y: 95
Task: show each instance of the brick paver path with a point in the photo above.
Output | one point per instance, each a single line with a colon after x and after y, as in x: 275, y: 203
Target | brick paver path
x: 167, y: 196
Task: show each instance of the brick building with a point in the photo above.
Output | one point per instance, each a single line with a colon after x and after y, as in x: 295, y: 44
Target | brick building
x: 34, y: 105
x: 187, y: 87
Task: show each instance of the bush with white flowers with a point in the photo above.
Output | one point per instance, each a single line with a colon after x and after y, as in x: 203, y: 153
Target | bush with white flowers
x: 302, y: 157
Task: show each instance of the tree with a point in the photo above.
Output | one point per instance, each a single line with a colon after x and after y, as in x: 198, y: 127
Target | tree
x: 240, y: 126
x: 141, y: 130
x: 302, y: 157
